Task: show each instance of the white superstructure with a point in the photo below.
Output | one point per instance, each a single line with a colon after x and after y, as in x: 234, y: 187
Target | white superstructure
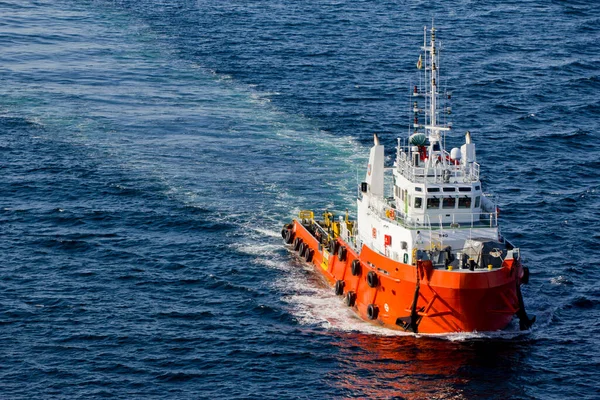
x: 436, y: 202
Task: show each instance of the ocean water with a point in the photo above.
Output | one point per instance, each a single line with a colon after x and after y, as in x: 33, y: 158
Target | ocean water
x: 150, y: 152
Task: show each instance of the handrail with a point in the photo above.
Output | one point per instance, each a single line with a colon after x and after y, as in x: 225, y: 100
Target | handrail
x: 478, y: 219
x: 469, y: 173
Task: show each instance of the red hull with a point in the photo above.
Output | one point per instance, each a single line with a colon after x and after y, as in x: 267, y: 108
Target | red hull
x: 446, y: 301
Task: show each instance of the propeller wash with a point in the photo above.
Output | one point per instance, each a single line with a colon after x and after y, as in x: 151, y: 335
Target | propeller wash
x: 425, y: 255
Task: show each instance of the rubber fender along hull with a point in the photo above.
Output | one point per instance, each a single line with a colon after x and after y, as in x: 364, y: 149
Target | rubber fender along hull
x: 446, y: 301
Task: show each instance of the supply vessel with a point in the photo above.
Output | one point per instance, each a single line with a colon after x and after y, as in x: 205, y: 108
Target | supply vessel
x: 425, y: 254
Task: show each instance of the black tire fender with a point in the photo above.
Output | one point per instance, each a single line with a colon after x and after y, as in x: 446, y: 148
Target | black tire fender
x: 308, y: 254
x: 372, y: 279
x: 289, y: 236
x: 356, y: 267
x: 301, y: 249
x: 339, y: 287
x: 372, y: 311
x: 342, y: 253
x: 334, y: 246
x: 350, y: 299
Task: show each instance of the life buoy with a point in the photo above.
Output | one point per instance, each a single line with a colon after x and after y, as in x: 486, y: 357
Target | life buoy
x: 372, y: 311
x: 374, y: 233
x: 372, y: 279
x: 350, y: 299
x: 355, y: 268
x: 342, y: 253
x: 339, y: 287
x: 392, y: 214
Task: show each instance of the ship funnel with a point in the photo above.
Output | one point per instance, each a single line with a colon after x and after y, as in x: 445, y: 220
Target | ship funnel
x: 374, y: 176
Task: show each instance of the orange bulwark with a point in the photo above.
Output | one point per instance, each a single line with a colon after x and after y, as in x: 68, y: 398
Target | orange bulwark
x: 408, y: 297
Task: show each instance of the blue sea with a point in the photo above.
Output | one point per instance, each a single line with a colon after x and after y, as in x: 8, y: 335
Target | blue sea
x: 150, y: 152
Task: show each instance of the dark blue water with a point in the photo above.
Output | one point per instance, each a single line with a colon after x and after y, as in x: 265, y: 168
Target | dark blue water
x: 151, y: 150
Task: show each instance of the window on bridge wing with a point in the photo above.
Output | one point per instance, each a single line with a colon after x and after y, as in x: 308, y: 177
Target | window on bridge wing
x: 477, y: 200
x: 464, y: 202
x: 448, y: 202
x: 418, y: 202
x: 433, y: 202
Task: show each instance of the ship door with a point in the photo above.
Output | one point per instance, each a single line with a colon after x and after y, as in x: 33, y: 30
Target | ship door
x: 387, y: 242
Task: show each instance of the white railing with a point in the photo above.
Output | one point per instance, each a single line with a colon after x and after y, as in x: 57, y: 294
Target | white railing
x: 479, y: 219
x: 466, y: 173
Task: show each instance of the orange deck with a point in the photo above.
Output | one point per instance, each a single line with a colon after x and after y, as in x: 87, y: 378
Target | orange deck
x: 447, y: 301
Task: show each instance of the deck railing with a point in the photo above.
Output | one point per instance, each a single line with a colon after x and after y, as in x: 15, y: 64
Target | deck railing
x: 461, y: 172
x: 461, y: 219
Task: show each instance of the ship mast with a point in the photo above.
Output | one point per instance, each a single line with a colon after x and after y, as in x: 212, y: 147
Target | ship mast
x: 432, y: 81
x: 433, y: 132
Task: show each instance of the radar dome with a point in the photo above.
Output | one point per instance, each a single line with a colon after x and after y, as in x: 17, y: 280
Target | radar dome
x: 455, y: 153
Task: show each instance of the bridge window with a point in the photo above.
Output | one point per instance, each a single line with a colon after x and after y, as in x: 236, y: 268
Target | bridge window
x: 464, y: 189
x: 418, y: 189
x: 448, y: 202
x: 477, y: 200
x: 434, y: 189
x: 418, y: 202
x: 433, y: 202
x: 464, y: 202
x: 449, y: 189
